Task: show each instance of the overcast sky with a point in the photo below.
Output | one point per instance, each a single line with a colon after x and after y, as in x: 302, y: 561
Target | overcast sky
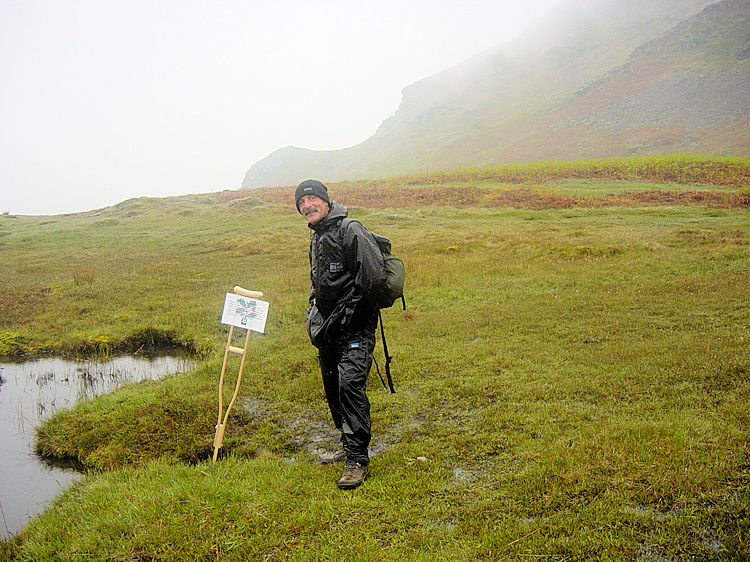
x: 104, y: 100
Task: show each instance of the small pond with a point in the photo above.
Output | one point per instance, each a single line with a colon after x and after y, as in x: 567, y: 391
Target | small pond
x: 32, y: 391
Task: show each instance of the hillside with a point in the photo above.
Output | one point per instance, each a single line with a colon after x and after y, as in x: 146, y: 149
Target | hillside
x: 662, y: 77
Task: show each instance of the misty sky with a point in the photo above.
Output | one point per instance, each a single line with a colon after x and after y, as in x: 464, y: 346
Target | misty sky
x: 106, y: 100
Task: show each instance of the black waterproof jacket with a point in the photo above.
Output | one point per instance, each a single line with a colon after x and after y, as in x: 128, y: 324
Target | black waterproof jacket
x: 346, y: 275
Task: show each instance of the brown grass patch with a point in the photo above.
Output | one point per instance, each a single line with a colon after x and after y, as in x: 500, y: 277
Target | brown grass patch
x: 371, y: 196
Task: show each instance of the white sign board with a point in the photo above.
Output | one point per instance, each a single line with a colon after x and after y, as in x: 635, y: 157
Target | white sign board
x: 244, y: 312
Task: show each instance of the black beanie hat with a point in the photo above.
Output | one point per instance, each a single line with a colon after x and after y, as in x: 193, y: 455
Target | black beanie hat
x: 311, y: 187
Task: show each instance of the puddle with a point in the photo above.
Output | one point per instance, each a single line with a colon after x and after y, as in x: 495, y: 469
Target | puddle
x: 31, y: 392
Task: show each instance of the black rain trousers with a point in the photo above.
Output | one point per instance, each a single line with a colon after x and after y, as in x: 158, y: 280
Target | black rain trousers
x: 345, y: 364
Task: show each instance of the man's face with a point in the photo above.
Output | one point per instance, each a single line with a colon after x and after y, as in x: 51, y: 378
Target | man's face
x: 313, y: 208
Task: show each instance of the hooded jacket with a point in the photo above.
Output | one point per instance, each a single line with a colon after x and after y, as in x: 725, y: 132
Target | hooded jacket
x: 346, y: 274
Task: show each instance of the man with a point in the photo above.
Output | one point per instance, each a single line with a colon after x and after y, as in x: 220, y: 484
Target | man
x: 346, y: 274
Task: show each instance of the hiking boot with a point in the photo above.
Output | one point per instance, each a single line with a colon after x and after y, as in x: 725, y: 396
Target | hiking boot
x: 354, y: 474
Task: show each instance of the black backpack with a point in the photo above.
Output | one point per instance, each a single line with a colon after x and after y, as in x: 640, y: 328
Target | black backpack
x: 392, y: 290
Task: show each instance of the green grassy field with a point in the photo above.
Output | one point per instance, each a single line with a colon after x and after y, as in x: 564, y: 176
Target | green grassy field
x: 572, y: 372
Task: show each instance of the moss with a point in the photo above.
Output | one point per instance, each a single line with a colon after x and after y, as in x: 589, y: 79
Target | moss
x: 13, y: 345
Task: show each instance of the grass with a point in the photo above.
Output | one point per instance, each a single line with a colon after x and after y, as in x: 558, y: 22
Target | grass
x: 572, y: 381
x: 670, y: 168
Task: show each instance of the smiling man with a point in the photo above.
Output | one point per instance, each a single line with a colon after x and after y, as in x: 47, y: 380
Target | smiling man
x: 346, y: 276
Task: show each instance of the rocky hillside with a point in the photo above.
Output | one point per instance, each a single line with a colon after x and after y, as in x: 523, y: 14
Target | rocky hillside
x: 596, y: 78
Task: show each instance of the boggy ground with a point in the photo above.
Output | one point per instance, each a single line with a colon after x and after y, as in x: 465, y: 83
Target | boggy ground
x: 571, y: 380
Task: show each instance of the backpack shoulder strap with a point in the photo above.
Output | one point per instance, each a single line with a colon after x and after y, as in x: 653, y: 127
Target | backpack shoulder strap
x: 387, y: 356
x: 346, y: 221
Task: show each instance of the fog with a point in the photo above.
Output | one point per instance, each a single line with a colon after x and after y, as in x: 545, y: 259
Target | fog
x: 107, y: 100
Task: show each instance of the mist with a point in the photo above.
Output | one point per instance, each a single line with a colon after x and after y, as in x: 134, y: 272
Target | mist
x: 104, y: 101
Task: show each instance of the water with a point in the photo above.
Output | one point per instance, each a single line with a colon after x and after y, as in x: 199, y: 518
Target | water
x: 31, y: 392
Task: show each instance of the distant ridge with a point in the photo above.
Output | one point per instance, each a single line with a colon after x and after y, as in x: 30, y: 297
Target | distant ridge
x: 597, y: 78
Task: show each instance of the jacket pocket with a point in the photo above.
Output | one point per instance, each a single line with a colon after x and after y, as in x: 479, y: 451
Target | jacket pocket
x: 315, y: 326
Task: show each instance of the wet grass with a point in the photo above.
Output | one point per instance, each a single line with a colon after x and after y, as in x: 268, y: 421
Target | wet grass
x: 572, y: 382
